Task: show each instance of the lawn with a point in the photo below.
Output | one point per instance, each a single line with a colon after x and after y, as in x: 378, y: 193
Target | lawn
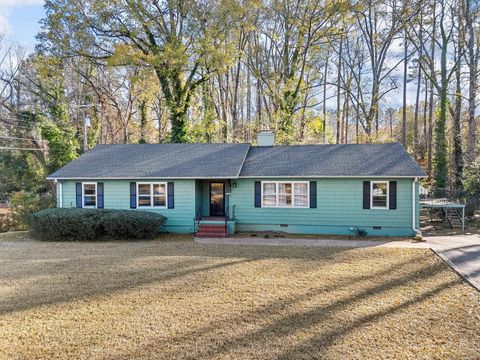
x: 177, y: 299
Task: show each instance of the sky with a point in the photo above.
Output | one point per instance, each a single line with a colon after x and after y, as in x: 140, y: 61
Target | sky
x: 19, y: 20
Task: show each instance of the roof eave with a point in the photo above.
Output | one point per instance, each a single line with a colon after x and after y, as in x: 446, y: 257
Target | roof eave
x: 234, y: 177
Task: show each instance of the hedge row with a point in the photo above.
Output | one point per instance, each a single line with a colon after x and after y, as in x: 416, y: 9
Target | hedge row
x: 94, y: 224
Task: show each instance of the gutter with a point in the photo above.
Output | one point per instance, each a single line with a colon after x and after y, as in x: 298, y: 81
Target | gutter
x: 236, y: 177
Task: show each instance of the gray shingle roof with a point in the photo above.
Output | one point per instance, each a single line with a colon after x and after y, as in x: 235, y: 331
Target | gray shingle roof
x: 130, y: 161
x: 331, y: 160
x: 136, y: 161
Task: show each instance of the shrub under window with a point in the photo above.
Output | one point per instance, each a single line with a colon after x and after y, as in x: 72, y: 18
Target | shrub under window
x: 94, y: 224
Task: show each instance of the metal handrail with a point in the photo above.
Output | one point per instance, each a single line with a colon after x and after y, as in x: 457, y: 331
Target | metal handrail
x: 227, y: 215
x: 196, y: 220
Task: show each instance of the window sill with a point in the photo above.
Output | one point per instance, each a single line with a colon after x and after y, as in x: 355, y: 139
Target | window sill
x: 285, y: 207
x: 151, y: 207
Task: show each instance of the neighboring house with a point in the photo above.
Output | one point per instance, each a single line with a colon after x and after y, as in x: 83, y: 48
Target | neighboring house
x: 309, y: 189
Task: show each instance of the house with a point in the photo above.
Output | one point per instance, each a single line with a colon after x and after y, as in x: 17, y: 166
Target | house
x: 207, y: 188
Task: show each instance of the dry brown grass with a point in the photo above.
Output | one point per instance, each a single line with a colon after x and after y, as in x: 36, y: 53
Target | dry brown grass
x: 177, y: 299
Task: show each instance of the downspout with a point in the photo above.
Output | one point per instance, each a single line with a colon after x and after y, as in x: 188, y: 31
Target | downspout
x: 60, y: 195
x: 414, y: 208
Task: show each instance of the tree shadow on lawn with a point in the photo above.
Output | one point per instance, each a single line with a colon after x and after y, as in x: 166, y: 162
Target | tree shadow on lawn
x: 298, y: 321
x: 159, y: 262
x: 63, y: 288
x: 40, y: 276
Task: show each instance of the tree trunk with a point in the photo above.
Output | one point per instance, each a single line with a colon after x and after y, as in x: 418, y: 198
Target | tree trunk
x: 324, y: 104
x: 372, y: 113
x: 424, y: 122
x: 430, y: 102
x: 472, y: 59
x: 416, y: 146
x: 339, y: 73
x: 405, y: 75
x: 441, y: 169
x: 457, y: 113
x: 143, y: 121
x: 347, y: 110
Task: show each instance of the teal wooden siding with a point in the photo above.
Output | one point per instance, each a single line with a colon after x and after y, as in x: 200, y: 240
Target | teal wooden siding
x: 339, y: 208
x: 117, y: 196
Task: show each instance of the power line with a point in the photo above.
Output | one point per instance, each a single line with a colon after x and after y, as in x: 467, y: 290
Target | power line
x: 19, y: 148
x: 17, y: 126
x: 17, y: 138
x: 6, y: 120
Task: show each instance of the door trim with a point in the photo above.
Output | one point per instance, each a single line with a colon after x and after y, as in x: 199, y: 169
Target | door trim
x: 210, y: 197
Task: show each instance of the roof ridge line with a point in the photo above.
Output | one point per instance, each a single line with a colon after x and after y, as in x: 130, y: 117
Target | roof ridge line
x: 243, y: 161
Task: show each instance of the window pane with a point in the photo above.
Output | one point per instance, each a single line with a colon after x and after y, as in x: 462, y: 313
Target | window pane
x: 159, y: 189
x: 379, y: 194
x: 144, y: 189
x: 301, y: 189
x: 285, y: 200
x: 269, y: 188
x: 159, y: 200
x: 379, y: 189
x: 301, y: 200
x: 269, y: 200
x: 379, y: 201
x: 89, y: 189
x: 89, y: 200
x: 144, y: 201
x: 285, y: 188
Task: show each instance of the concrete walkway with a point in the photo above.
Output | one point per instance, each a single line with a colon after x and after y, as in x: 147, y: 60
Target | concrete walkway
x: 461, y: 252
x: 312, y: 242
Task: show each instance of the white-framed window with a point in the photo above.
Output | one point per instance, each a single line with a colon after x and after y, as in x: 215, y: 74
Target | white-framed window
x: 89, y: 194
x: 285, y: 194
x: 152, y: 195
x: 379, y: 194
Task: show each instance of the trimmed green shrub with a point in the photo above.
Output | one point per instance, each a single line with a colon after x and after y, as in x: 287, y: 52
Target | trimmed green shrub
x: 94, y: 224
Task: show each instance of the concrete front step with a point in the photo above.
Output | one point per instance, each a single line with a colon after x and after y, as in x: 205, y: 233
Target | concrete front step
x: 209, y: 226
x: 211, y: 230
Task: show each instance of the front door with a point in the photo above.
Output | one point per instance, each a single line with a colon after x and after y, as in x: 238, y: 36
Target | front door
x: 217, y: 199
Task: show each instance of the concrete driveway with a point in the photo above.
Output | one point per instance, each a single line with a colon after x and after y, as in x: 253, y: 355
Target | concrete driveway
x: 461, y: 252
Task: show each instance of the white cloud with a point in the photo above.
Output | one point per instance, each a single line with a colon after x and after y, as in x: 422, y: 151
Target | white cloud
x: 5, y: 27
x: 20, y: 3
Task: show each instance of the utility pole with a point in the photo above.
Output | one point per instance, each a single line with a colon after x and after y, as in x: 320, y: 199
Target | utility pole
x: 86, y: 124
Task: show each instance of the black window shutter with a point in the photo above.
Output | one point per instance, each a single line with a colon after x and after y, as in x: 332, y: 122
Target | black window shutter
x: 171, y: 194
x: 78, y: 194
x: 366, y: 194
x: 313, y: 194
x: 392, y: 195
x: 133, y: 195
x: 100, y: 195
x: 258, y: 194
